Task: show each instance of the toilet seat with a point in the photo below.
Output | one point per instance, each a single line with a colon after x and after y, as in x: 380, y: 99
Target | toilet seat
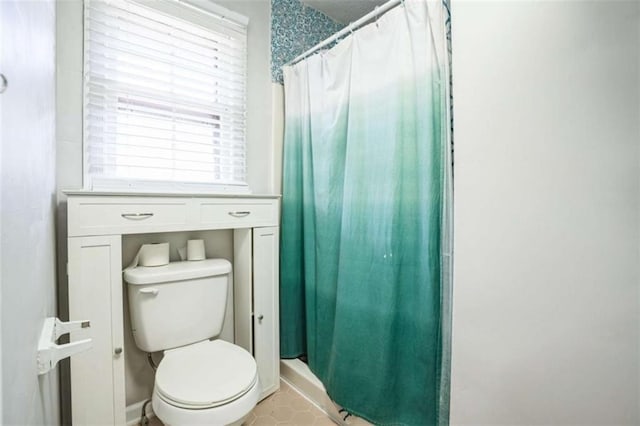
x: 205, y: 375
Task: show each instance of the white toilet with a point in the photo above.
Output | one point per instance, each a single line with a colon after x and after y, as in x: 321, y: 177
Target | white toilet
x: 177, y: 308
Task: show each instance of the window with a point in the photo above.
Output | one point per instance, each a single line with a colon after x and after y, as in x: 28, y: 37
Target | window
x: 164, y: 96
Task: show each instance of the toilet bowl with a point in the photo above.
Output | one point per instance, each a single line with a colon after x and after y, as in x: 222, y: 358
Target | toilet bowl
x: 232, y: 414
x: 178, y: 308
x: 207, y: 383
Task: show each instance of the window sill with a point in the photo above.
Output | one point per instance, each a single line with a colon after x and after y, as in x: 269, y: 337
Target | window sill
x: 166, y: 194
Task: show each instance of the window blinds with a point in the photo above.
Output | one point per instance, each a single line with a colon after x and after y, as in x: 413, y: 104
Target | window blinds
x: 164, y: 94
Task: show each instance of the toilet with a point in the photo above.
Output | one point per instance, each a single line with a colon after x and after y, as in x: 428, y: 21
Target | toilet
x: 177, y: 308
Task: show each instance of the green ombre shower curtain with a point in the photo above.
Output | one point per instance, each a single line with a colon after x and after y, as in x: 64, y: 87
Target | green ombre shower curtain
x: 364, y: 180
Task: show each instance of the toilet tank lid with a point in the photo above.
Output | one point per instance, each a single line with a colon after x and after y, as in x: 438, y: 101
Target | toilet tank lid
x: 176, y: 271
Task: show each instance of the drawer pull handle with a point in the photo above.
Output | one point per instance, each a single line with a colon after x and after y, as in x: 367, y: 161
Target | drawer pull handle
x: 136, y: 216
x: 239, y: 214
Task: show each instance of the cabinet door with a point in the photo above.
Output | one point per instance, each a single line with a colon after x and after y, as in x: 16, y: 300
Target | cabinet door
x: 95, y: 294
x: 265, y: 307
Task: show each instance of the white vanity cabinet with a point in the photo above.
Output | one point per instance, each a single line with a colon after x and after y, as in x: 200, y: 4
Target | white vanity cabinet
x: 96, y: 224
x: 266, y: 319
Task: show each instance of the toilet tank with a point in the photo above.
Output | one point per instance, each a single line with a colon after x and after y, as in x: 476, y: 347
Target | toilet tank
x: 177, y: 304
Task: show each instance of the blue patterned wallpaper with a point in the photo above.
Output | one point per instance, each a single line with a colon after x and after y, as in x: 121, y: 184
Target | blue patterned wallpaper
x: 295, y: 28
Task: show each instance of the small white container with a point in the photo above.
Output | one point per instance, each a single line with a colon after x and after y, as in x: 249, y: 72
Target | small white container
x: 195, y: 250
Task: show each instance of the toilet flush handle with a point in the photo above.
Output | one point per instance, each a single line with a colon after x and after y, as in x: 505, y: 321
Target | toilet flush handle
x: 152, y: 291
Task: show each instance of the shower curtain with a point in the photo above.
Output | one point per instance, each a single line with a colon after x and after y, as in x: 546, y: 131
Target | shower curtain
x: 365, y: 186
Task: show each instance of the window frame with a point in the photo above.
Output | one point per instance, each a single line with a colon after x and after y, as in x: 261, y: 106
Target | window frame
x: 198, y: 13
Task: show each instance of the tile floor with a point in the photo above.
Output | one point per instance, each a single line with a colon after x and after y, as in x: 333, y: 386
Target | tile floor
x: 287, y: 407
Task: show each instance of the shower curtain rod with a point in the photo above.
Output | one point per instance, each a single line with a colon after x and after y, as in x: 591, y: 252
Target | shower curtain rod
x: 349, y: 28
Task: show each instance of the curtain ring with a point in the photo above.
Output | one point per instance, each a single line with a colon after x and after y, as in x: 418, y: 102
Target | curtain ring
x: 351, y: 28
x: 375, y: 11
x: 402, y: 3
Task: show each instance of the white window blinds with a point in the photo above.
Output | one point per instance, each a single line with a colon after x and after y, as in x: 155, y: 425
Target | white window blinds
x: 164, y: 95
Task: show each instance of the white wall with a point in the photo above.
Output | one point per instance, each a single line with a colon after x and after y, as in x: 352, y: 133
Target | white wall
x: 277, y: 134
x: 27, y: 32
x: 259, y: 144
x: 546, y: 304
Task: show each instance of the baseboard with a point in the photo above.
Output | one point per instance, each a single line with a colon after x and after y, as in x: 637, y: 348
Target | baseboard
x: 134, y: 411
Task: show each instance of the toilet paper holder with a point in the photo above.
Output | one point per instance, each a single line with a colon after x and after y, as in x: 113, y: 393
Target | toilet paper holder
x: 49, y: 352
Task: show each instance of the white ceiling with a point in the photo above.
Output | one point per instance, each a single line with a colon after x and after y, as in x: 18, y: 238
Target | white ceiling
x: 344, y: 11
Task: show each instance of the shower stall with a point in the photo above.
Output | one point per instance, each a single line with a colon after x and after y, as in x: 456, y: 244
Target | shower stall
x: 366, y: 217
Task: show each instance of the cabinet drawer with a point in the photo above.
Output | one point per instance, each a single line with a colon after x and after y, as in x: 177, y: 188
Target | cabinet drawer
x: 238, y: 214
x: 95, y: 216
